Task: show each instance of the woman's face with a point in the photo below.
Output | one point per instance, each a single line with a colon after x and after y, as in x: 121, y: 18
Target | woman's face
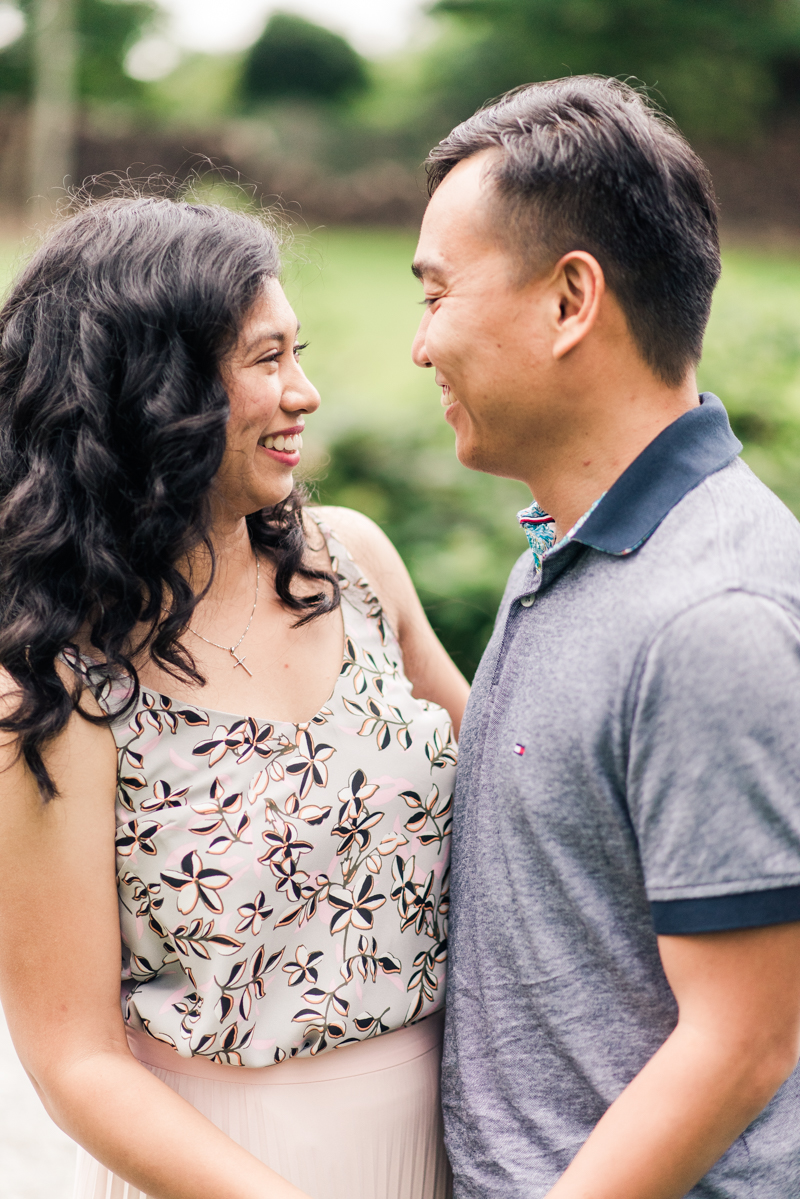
x: 269, y: 398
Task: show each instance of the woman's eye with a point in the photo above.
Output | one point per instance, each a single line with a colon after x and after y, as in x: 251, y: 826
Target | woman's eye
x: 299, y: 349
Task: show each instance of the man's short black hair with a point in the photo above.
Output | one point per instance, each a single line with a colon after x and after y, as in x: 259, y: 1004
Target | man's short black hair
x: 588, y: 163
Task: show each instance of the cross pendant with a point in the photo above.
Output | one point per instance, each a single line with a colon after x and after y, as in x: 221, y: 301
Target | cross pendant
x: 239, y: 661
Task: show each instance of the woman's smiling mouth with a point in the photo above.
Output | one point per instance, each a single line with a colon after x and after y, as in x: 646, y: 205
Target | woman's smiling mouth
x: 284, y: 446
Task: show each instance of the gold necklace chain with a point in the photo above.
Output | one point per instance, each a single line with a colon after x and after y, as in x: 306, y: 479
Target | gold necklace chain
x: 237, y: 661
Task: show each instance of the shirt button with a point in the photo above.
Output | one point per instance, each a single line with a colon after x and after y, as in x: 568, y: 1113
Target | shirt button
x: 527, y: 600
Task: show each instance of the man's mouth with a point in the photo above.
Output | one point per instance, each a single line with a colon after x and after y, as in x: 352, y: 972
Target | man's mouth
x: 447, y: 397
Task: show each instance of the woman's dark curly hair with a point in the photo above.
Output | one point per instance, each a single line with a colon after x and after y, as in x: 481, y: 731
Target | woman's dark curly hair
x: 112, y: 428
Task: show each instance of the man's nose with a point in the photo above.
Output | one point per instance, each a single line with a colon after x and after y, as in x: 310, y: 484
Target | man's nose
x: 419, y: 353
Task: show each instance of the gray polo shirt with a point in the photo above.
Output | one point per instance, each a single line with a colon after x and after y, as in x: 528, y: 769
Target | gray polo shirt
x: 629, y: 765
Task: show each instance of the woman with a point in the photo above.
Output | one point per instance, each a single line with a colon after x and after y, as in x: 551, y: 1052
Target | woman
x: 196, y: 669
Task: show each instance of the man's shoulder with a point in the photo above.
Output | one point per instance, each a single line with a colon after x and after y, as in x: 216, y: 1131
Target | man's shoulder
x: 731, y: 528
x: 741, y: 496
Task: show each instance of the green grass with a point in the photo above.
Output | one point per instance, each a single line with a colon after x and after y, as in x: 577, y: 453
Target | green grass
x: 359, y: 306
x: 379, y: 441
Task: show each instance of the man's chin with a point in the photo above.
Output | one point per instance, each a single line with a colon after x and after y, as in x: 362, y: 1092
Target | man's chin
x: 476, y: 456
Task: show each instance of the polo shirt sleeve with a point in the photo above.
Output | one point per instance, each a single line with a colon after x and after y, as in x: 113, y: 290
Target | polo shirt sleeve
x: 713, y: 776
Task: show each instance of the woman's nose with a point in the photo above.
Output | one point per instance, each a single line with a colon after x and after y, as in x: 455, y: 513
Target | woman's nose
x: 301, y: 395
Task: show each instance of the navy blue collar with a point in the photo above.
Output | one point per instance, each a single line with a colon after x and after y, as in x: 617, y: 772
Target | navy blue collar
x: 684, y: 454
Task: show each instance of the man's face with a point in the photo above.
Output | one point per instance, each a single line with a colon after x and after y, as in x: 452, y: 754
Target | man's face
x: 488, y: 337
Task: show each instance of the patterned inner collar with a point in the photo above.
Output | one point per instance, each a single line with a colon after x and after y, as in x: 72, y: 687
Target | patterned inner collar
x: 683, y: 454
x: 540, y: 529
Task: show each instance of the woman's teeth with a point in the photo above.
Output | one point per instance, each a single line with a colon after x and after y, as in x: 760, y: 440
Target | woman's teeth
x: 286, y: 444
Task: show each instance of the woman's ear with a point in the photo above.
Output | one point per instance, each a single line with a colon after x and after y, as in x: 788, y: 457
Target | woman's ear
x: 580, y: 285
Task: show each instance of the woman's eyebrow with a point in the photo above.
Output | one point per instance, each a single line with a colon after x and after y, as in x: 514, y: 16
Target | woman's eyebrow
x: 256, y: 341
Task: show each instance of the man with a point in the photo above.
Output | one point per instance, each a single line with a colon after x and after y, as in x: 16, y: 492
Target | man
x: 624, y: 983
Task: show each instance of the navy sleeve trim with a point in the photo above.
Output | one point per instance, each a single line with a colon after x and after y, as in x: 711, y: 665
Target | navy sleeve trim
x: 719, y: 912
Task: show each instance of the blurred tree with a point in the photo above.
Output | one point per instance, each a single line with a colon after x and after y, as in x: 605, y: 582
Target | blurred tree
x: 719, y: 65
x: 105, y: 31
x: 51, y: 145
x: 294, y: 58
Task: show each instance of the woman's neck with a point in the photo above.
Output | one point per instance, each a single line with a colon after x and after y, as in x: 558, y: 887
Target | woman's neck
x: 234, y: 565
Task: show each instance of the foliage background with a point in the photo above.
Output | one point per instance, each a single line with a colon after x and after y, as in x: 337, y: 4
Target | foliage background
x: 341, y: 138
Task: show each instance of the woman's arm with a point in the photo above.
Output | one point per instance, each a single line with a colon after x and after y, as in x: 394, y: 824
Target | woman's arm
x: 427, y: 664
x: 60, y: 985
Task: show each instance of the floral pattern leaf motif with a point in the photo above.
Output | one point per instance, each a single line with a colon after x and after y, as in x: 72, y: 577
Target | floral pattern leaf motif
x: 354, y: 906
x: 193, y: 719
x: 253, y: 915
x: 350, y: 660
x: 313, y: 814
x: 434, y: 811
x: 247, y: 981
x: 164, y: 797
x: 311, y: 895
x: 374, y: 609
x: 149, y: 898
x: 137, y: 835
x: 368, y: 960
x: 366, y: 1022
x: 133, y: 780
x: 311, y: 769
x: 245, y: 739
x: 158, y: 1036
x: 355, y: 818
x: 425, y: 979
x: 222, y: 812
x: 415, y: 901
x: 190, y: 1009
x: 283, y: 853
x: 195, y: 882
x: 440, y: 752
x: 196, y: 937
x: 379, y: 719
x: 303, y: 969
x: 306, y: 858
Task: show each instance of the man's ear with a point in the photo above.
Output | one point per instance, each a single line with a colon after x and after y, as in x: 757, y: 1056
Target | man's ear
x: 580, y: 285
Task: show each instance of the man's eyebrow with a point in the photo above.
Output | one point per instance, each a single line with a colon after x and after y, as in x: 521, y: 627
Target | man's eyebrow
x: 420, y: 268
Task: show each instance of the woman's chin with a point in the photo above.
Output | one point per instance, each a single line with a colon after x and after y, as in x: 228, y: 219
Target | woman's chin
x: 277, y: 494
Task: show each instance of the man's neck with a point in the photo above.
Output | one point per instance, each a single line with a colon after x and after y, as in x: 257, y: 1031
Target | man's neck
x: 566, y: 484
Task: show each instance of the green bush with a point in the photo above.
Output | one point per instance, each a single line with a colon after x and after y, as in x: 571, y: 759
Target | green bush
x: 443, y: 521
x: 296, y: 59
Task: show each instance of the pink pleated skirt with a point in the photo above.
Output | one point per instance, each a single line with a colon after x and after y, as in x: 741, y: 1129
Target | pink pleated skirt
x: 362, y: 1122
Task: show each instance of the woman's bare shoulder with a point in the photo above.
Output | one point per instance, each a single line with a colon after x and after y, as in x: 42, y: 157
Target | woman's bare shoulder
x: 364, y: 539
x: 79, y: 737
x: 427, y: 665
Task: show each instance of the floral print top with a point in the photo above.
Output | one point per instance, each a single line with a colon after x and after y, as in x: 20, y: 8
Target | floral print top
x: 283, y: 887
